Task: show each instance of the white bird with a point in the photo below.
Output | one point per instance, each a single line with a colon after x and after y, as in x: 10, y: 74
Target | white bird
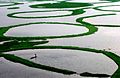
x: 35, y: 56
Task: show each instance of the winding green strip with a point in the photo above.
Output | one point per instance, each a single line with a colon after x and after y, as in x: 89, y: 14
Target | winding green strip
x: 17, y: 59
x: 108, y: 25
x: 62, y: 4
x: 88, y: 25
x: 74, y: 12
x: 111, y: 55
x: 99, y: 8
x: 81, y: 20
x: 38, y: 0
x: 16, y: 45
x: 116, y: 59
x: 13, y: 44
x: 87, y: 74
x: 111, y: 0
x: 101, y: 2
x: 13, y: 8
x: 91, y: 29
x: 12, y: 4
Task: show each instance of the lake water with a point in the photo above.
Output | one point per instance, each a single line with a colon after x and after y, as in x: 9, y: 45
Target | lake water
x: 64, y: 38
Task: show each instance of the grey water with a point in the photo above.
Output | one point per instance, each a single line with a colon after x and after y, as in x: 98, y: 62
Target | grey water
x: 79, y: 61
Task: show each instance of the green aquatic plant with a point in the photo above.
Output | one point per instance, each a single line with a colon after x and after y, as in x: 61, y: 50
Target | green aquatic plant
x: 74, y: 12
x: 21, y: 46
x: 38, y: 0
x: 17, y: 59
x: 87, y: 74
x: 111, y: 0
x: 99, y: 8
x: 111, y: 55
x: 91, y: 30
x: 62, y: 4
x: 81, y: 20
x: 10, y: 43
x: 13, y: 44
x: 13, y: 8
x: 11, y: 4
x: 108, y: 25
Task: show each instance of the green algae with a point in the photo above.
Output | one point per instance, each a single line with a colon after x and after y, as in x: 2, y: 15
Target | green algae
x: 111, y: 55
x: 87, y: 74
x: 9, y: 45
x: 111, y: 0
x: 62, y: 4
x: 108, y: 25
x: 12, y: 4
x: 91, y: 29
x: 13, y: 8
x: 74, y: 12
x: 99, y: 8
x: 23, y: 43
x: 81, y: 20
x: 90, y: 26
x: 17, y: 59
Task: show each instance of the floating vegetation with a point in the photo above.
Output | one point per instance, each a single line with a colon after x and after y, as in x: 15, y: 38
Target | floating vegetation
x: 111, y: 0
x: 111, y: 55
x: 62, y: 4
x: 13, y: 8
x: 74, y: 12
x: 99, y: 8
x: 12, y: 43
x: 10, y: 4
x: 91, y: 29
x: 87, y: 74
x: 17, y: 59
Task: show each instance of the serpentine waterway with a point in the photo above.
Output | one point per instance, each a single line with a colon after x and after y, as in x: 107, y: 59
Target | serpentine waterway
x: 59, y: 39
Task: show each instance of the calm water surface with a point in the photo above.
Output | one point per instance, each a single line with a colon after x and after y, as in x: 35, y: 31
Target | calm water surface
x: 89, y: 24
